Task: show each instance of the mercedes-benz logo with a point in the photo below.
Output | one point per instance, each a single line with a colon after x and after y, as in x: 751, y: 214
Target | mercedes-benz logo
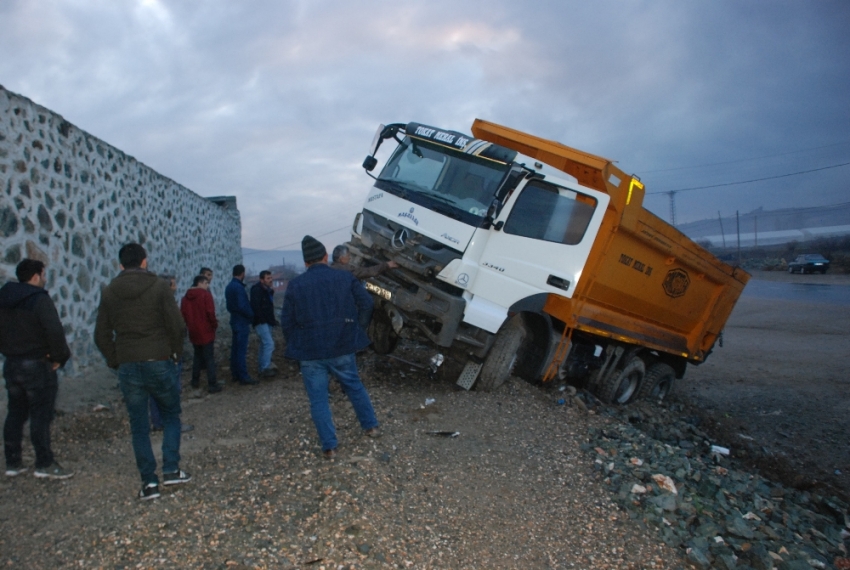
x: 399, y: 238
x: 463, y: 279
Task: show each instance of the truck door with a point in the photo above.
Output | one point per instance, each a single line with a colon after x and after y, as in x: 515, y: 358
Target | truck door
x: 539, y: 243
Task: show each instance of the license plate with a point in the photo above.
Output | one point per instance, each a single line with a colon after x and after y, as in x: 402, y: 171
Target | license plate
x: 379, y: 291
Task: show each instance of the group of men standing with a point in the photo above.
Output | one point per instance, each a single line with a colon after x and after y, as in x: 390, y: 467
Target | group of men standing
x: 139, y: 330
x: 256, y: 311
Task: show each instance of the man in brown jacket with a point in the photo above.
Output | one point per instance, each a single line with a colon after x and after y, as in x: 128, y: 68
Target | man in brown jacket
x: 140, y: 332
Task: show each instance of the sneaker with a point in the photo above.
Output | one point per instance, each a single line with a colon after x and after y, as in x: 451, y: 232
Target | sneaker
x: 248, y: 381
x: 54, y: 471
x: 375, y: 432
x: 15, y: 471
x: 215, y: 389
x: 268, y: 373
x: 149, y: 491
x: 176, y: 478
x: 329, y: 453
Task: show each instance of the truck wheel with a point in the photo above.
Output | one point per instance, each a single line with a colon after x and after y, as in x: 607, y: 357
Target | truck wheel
x: 622, y: 388
x: 503, y: 356
x: 381, y: 333
x: 658, y: 382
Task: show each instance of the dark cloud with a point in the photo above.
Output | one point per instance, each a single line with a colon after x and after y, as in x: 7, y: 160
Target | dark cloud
x: 276, y: 102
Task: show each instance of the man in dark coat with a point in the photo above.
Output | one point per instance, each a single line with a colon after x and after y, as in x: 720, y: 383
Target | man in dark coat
x: 262, y: 303
x: 33, y: 342
x: 198, y: 310
x: 139, y: 330
x: 241, y: 317
x: 325, y: 312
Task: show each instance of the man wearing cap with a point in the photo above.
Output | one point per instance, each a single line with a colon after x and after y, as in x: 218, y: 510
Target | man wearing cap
x: 325, y: 312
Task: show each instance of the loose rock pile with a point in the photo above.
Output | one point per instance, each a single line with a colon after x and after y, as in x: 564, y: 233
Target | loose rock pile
x: 663, y: 469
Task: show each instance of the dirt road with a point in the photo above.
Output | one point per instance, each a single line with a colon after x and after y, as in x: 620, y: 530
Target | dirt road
x: 779, y: 386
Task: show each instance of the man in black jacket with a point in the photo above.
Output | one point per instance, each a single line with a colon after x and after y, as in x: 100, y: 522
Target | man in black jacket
x: 262, y: 303
x: 33, y: 342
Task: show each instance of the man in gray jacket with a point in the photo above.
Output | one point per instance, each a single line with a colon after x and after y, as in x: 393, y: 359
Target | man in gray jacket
x: 140, y: 332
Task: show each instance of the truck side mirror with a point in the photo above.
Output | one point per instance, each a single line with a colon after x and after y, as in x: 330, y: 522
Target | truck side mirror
x: 369, y: 163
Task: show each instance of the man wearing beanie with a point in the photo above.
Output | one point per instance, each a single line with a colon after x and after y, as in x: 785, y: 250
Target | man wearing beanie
x: 325, y: 314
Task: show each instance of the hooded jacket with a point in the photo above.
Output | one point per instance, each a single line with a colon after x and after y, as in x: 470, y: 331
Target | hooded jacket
x: 198, y: 311
x: 29, y: 324
x: 138, y: 320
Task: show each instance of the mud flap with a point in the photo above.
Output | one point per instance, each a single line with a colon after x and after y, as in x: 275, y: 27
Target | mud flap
x: 469, y: 375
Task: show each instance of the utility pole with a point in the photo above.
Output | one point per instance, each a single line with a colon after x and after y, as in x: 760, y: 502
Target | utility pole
x: 756, y: 222
x: 672, y: 195
x: 722, y: 233
x: 738, y: 224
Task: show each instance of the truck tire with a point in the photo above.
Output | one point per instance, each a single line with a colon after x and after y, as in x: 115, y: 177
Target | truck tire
x: 620, y: 389
x: 658, y: 382
x: 384, y: 338
x: 503, y: 356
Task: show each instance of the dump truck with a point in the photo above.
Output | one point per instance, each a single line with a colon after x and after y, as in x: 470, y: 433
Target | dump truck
x: 530, y: 258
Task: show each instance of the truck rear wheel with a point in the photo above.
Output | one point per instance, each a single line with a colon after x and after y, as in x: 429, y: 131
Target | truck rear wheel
x: 622, y: 388
x: 658, y: 382
x: 503, y: 356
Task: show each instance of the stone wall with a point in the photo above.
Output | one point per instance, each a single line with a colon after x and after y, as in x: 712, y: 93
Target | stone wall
x: 72, y: 200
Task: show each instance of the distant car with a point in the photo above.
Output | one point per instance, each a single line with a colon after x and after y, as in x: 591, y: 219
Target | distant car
x: 809, y: 263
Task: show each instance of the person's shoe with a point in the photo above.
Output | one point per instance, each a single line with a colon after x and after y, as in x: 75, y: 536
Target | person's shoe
x: 248, y: 381
x: 15, y: 470
x: 156, y: 428
x: 176, y: 478
x: 274, y: 367
x: 215, y: 389
x: 329, y: 453
x: 186, y: 427
x: 54, y: 471
x: 375, y: 432
x: 196, y: 385
x: 149, y: 491
x: 268, y: 373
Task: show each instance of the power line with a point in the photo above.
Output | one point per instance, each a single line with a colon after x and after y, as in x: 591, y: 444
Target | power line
x: 748, y: 181
x: 743, y: 159
x: 281, y: 247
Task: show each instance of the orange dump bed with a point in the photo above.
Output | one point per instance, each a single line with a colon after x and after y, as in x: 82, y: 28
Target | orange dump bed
x: 645, y: 282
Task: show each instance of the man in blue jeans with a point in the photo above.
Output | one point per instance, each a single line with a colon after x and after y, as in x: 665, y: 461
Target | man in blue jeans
x: 139, y: 330
x: 325, y: 314
x: 262, y: 303
x: 241, y: 317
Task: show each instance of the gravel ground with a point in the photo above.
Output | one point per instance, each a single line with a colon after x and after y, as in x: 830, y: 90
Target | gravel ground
x: 513, y: 490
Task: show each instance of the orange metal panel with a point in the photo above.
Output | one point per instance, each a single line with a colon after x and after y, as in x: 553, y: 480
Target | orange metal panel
x: 645, y: 282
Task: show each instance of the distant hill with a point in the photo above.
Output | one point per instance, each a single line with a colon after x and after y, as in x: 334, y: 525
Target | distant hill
x: 767, y: 227
x: 256, y: 260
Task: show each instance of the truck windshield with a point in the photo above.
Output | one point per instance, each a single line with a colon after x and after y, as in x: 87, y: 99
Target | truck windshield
x: 454, y: 183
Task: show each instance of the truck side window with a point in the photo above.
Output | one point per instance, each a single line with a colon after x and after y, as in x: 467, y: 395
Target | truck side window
x: 545, y: 212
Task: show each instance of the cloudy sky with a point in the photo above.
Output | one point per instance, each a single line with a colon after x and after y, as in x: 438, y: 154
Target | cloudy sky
x: 276, y: 101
